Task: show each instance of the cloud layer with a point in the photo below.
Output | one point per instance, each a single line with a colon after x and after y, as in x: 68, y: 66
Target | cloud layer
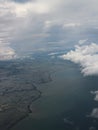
x: 86, y: 56
x: 30, y: 25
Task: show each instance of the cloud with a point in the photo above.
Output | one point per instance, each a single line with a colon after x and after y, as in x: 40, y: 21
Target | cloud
x: 86, y: 56
x: 94, y: 113
x: 7, y: 53
x: 96, y: 95
x: 92, y: 128
x: 82, y: 41
x: 28, y: 25
x: 6, y: 32
x: 72, y: 24
x: 69, y: 122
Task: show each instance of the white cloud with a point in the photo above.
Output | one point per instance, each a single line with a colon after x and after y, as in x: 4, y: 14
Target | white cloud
x: 30, y: 7
x: 6, y: 31
x: 7, y: 53
x: 72, y: 25
x: 26, y: 8
x: 86, y: 56
x: 82, y: 41
x: 23, y: 9
x: 54, y: 53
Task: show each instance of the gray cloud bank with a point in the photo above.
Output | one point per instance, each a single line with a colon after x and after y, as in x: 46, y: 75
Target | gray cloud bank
x: 29, y: 25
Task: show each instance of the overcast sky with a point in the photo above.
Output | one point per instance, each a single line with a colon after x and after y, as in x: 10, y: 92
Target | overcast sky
x: 44, y: 25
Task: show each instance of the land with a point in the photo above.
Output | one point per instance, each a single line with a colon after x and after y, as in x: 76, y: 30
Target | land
x: 19, y: 82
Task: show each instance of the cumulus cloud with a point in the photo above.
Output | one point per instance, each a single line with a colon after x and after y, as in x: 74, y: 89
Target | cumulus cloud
x: 7, y: 53
x: 86, y: 56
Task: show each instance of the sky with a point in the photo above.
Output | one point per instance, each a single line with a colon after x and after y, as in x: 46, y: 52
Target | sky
x: 27, y: 26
